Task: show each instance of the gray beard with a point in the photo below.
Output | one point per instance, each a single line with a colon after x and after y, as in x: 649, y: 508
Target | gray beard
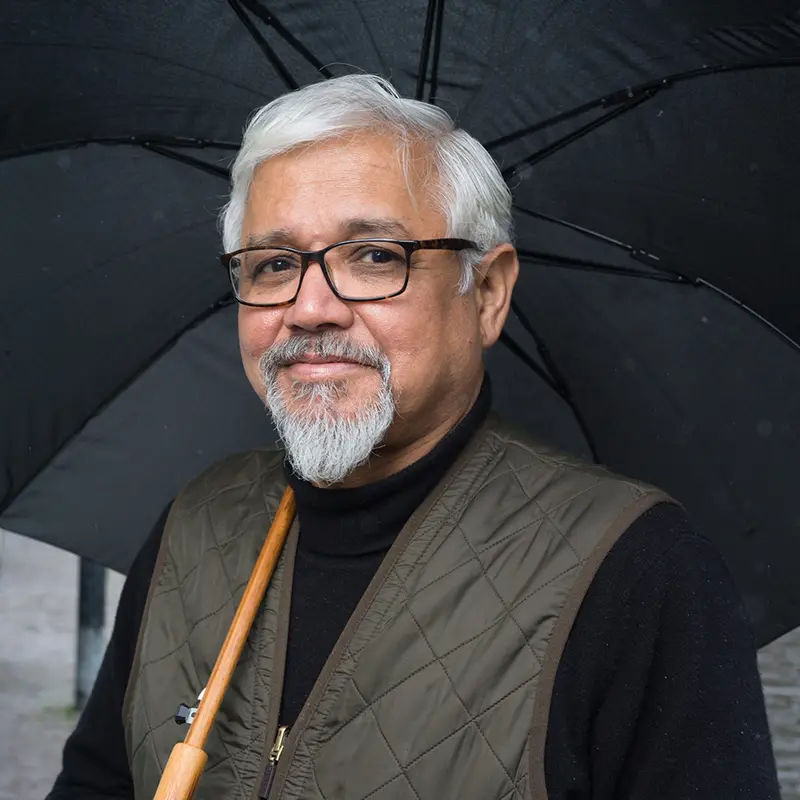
x: 323, y: 446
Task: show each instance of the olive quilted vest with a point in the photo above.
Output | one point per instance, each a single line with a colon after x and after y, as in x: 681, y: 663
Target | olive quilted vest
x: 439, y: 686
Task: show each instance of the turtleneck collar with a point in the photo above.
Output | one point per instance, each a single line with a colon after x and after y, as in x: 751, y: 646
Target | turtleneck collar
x: 365, y: 520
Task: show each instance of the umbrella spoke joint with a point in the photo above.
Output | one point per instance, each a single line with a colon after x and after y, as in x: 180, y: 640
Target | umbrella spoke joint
x: 263, y: 45
x: 268, y: 17
x: 185, y: 158
x: 630, y: 93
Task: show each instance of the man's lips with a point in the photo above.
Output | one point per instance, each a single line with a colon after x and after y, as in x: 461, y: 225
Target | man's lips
x: 321, y: 367
x: 322, y: 360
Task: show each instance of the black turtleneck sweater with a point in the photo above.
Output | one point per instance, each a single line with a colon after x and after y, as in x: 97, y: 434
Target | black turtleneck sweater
x: 657, y: 693
x: 344, y: 535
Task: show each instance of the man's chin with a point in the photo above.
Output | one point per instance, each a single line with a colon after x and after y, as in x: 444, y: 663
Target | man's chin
x: 329, y: 399
x: 329, y: 428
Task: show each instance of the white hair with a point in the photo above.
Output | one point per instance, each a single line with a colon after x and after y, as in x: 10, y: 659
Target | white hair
x: 470, y: 192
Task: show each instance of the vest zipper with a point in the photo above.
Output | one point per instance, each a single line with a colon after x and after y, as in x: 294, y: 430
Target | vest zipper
x: 268, y: 767
x: 278, y: 772
x: 272, y: 762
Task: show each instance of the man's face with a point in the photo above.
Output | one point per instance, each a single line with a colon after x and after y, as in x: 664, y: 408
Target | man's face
x: 430, y: 334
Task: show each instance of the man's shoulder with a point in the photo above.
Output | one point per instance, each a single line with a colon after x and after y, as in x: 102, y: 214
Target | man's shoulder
x: 522, y: 452
x: 521, y: 443
x: 232, y: 500
x: 532, y: 489
x: 658, y: 547
x: 233, y: 476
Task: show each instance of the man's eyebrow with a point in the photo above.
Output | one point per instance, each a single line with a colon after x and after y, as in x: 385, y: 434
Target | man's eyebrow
x: 375, y: 227
x: 352, y: 229
x: 270, y: 239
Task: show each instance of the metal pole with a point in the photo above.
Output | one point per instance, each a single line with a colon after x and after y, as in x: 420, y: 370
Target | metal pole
x: 91, y: 621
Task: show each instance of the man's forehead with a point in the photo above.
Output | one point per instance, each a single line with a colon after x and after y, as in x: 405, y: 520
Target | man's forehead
x: 352, y: 228
x: 302, y: 202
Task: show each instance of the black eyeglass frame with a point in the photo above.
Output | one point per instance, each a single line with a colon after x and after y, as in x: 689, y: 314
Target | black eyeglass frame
x: 318, y: 256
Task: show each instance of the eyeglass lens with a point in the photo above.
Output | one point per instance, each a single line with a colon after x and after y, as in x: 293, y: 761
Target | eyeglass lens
x: 358, y: 270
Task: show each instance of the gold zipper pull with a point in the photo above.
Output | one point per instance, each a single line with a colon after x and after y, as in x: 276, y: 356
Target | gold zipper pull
x: 280, y: 742
x: 272, y: 762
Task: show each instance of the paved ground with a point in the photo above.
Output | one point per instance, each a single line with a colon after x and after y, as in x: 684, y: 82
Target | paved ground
x: 38, y: 609
x: 38, y: 598
x: 780, y: 672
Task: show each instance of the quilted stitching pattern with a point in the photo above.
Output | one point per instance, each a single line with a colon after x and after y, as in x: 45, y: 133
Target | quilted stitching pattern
x: 212, y: 550
x: 434, y: 694
x: 482, y: 582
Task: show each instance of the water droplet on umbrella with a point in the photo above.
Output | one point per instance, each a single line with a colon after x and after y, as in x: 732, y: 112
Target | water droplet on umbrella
x: 64, y: 161
x: 704, y: 320
x: 764, y: 428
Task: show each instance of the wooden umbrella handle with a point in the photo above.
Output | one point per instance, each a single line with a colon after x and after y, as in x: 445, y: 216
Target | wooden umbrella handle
x: 188, y: 758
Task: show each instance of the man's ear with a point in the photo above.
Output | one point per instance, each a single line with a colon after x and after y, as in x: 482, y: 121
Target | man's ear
x: 495, y: 277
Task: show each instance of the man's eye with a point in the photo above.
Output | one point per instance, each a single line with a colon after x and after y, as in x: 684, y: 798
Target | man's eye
x: 382, y: 256
x: 379, y: 255
x: 271, y: 266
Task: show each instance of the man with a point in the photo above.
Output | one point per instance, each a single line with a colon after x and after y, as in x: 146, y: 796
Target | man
x: 460, y: 612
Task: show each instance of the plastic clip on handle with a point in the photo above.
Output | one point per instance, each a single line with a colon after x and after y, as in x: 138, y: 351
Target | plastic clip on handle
x: 188, y: 758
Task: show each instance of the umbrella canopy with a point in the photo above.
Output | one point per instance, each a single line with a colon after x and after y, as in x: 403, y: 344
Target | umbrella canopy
x: 651, y: 148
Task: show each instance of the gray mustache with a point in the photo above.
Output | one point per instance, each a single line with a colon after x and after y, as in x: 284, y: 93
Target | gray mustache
x: 323, y: 345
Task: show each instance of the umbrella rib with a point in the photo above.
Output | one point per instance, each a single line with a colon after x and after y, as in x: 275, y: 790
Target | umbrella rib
x: 573, y: 226
x: 588, y: 265
x: 568, y: 262
x: 437, y: 49
x: 564, y: 116
x: 222, y: 302
x: 197, y: 163
x: 267, y: 16
x: 427, y: 36
x: 629, y: 93
x: 704, y: 284
x: 557, y: 380
x: 636, y: 253
x: 564, y: 141
x: 519, y: 352
x: 264, y: 46
x: 166, y: 141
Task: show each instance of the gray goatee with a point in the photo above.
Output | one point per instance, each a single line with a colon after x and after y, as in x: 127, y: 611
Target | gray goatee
x: 323, y: 444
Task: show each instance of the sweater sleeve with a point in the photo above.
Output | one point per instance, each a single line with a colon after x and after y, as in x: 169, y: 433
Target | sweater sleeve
x: 658, y: 692
x: 95, y: 759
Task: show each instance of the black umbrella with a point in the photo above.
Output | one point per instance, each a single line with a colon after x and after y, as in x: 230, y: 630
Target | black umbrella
x: 652, y: 150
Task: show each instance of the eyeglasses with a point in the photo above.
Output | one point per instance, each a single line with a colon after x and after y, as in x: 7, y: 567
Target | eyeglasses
x: 357, y: 270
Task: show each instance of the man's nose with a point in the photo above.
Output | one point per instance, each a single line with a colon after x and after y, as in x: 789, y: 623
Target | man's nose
x: 316, y: 306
